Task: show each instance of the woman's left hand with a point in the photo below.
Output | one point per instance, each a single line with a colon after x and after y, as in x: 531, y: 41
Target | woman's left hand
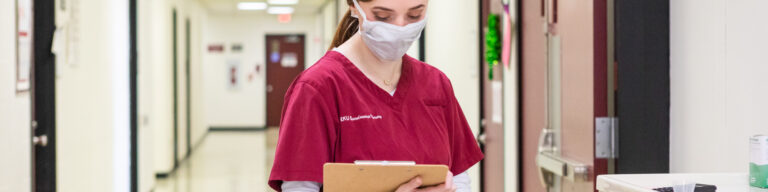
x: 445, y: 187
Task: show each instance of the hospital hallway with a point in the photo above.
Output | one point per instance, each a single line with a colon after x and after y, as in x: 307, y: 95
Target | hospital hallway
x: 506, y: 95
x: 236, y: 161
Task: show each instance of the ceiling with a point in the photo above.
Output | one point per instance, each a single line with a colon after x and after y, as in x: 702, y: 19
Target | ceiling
x: 230, y: 6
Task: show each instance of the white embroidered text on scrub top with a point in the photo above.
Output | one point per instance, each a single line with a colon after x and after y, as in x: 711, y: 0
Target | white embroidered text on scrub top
x: 359, y: 117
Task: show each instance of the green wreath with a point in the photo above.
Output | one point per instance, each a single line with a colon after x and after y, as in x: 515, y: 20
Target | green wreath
x: 492, y: 44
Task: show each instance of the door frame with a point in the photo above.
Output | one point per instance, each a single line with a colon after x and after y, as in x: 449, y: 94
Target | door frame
x: 175, y: 76
x: 188, y: 84
x: 43, y: 88
x: 133, y: 84
x: 266, y: 70
x: 642, y: 64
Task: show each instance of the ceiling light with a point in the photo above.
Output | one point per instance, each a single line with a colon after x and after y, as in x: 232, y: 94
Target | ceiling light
x: 280, y: 10
x: 251, y: 6
x: 283, y: 2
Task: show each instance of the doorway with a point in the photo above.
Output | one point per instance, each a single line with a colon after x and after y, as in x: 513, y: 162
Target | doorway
x: 565, y: 95
x: 43, y: 98
x: 285, y: 61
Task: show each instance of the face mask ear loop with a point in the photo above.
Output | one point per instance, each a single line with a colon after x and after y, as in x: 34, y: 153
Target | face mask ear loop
x: 360, y: 9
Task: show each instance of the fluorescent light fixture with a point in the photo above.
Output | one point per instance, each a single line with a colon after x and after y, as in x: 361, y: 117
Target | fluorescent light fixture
x: 251, y: 6
x: 280, y: 10
x: 282, y: 2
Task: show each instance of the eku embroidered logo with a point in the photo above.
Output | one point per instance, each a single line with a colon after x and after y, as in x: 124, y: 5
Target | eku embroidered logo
x: 359, y: 117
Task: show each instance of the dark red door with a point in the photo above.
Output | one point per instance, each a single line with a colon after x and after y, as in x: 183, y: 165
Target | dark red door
x: 492, y: 132
x: 564, y: 93
x: 285, y: 60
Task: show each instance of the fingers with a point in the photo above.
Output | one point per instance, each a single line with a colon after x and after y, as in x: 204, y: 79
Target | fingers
x: 411, y: 185
x: 448, y: 179
x: 439, y: 188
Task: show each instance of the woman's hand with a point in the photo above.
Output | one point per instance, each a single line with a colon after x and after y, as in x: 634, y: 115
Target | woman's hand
x: 413, y: 185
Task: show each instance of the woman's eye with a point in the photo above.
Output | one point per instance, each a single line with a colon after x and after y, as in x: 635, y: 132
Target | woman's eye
x: 381, y: 18
x: 414, y: 17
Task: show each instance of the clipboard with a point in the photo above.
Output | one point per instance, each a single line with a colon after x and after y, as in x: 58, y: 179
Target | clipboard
x: 378, y: 176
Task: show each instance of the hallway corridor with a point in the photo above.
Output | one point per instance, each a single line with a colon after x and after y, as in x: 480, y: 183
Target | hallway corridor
x: 225, y: 161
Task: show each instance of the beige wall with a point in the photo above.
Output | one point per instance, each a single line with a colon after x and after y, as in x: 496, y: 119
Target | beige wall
x: 156, y: 83
x: 451, y: 46
x: 511, y: 121
x: 92, y: 101
x: 718, y: 89
x: 155, y: 86
x: 245, y: 106
x: 15, y: 142
x: 329, y: 23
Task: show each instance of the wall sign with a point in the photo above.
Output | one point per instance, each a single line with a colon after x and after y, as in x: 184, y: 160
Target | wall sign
x: 215, y: 48
x: 289, y: 60
x: 237, y: 48
x: 24, y: 56
x: 233, y: 71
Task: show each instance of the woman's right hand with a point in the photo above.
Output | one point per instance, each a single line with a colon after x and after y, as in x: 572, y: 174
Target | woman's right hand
x: 413, y: 185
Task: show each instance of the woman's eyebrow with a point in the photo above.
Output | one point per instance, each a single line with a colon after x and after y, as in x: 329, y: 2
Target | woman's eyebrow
x: 383, y: 8
x: 417, y: 7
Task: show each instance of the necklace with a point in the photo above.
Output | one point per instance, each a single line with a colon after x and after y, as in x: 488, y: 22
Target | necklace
x: 388, y: 82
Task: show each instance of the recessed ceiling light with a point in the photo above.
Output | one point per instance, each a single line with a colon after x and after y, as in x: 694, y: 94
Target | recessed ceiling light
x: 251, y: 6
x: 283, y: 2
x: 280, y: 10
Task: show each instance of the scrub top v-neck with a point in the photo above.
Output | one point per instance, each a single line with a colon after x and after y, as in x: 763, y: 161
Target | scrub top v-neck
x: 334, y: 113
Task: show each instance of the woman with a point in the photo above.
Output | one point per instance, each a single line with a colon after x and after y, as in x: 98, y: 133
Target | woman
x: 367, y: 100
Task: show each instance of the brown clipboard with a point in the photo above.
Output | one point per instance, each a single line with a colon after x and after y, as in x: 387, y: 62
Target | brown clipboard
x: 350, y: 177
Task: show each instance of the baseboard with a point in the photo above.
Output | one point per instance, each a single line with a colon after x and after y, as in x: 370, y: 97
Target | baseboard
x: 163, y: 175
x: 235, y: 128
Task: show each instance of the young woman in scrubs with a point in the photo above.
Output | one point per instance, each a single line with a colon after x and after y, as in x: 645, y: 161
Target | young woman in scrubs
x: 367, y: 100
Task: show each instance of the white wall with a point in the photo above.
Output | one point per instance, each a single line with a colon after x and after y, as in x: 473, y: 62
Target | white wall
x: 718, y: 86
x: 199, y: 24
x: 245, y: 106
x: 155, y: 86
x: 156, y: 83
x: 329, y: 23
x: 452, y: 46
x: 92, y: 102
x: 511, y: 122
x: 15, y: 147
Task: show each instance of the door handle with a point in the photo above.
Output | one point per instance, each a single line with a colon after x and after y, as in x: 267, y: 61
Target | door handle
x: 269, y: 88
x: 41, y: 140
x: 482, y: 138
x: 551, y: 165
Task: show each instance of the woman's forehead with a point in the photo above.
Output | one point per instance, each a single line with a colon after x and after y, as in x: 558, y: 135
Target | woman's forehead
x: 396, y: 5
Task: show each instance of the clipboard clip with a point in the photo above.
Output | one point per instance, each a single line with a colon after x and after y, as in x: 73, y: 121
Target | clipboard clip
x: 384, y: 163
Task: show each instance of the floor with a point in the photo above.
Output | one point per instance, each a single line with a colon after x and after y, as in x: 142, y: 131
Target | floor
x: 230, y: 161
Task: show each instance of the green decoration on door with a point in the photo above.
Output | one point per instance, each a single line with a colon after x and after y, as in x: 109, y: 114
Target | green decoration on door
x: 492, y: 44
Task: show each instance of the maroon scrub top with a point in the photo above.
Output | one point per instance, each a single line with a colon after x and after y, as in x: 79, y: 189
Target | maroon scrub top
x: 334, y: 113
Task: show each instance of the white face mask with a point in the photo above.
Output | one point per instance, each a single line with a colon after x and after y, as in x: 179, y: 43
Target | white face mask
x: 386, y: 41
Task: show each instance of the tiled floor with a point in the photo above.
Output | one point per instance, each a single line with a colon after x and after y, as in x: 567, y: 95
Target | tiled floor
x: 226, y: 161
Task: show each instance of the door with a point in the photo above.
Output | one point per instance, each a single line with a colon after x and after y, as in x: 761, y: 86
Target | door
x: 285, y: 60
x: 43, y: 98
x: 564, y: 93
x: 491, y: 133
